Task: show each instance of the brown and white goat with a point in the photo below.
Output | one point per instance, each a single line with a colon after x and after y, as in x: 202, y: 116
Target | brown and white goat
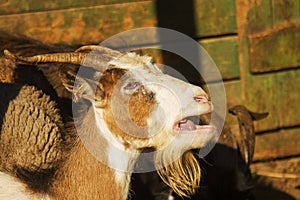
x: 133, y: 106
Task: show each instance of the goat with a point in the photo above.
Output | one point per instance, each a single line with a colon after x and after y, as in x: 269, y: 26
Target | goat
x: 122, y: 80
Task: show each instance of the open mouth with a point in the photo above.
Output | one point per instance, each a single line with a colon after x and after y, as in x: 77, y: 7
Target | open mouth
x: 191, y: 123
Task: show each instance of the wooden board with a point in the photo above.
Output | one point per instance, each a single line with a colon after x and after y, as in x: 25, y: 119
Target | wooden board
x: 80, y: 26
x: 81, y: 22
x: 215, y: 17
x: 224, y: 52
x: 274, y: 35
x: 233, y: 93
x: 278, y: 179
x: 273, y: 92
x: 283, y: 143
x: 278, y: 94
x: 275, y: 49
x: 24, y: 6
x: 198, y: 18
x: 233, y: 98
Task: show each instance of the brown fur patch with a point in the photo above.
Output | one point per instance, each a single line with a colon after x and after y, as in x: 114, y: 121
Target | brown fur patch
x: 138, y: 107
x: 82, y: 176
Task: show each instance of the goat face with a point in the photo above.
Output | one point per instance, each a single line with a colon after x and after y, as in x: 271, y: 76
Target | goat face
x: 143, y: 107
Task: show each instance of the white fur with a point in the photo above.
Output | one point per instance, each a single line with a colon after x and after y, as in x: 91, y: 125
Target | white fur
x: 134, y: 61
x: 119, y: 158
x: 13, y: 189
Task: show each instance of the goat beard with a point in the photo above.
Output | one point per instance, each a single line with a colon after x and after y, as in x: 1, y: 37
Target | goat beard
x: 182, y: 175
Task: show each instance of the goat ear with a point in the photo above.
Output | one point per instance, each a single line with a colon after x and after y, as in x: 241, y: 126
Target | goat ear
x: 84, y: 88
x: 258, y: 116
x: 241, y: 111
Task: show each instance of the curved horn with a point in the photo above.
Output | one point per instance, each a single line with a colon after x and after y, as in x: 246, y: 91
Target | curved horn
x: 74, y: 58
x: 99, y: 49
x: 91, y: 55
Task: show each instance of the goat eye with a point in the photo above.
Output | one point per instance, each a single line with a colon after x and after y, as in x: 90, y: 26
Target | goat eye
x: 132, y: 85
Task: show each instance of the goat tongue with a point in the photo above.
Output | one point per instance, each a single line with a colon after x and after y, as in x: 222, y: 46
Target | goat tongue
x: 187, y: 125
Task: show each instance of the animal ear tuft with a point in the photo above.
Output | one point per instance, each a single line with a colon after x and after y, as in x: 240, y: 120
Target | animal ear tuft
x: 258, y: 116
x: 241, y: 110
x: 84, y: 88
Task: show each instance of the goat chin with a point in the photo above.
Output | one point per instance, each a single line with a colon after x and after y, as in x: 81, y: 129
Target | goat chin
x: 183, y: 175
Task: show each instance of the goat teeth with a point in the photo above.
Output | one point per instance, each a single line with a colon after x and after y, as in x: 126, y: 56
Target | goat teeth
x: 183, y: 121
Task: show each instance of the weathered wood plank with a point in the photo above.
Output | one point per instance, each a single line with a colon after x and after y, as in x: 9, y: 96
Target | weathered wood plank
x: 274, y: 92
x: 262, y: 94
x: 278, y: 94
x: 288, y: 168
x: 288, y: 97
x: 283, y: 143
x: 267, y: 14
x: 215, y: 17
x: 88, y: 25
x: 259, y: 16
x: 233, y: 98
x: 275, y: 49
x: 233, y: 93
x: 273, y: 34
x: 23, y: 6
x: 278, y: 175
x: 285, y: 11
x: 224, y: 52
x: 92, y: 19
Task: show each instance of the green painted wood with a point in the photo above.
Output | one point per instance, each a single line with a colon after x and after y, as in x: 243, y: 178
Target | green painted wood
x: 289, y: 97
x: 276, y: 91
x: 194, y: 20
x: 224, y: 52
x: 233, y: 93
x: 215, y: 17
x: 80, y: 26
x: 278, y: 94
x: 198, y: 18
x: 268, y: 14
x: 233, y: 98
x: 23, y: 6
x: 262, y: 94
x: 283, y: 143
x: 274, y: 38
x: 285, y: 11
x: 259, y: 16
x: 275, y: 49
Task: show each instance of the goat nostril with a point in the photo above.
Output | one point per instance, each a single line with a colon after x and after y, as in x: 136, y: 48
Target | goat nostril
x: 201, y: 98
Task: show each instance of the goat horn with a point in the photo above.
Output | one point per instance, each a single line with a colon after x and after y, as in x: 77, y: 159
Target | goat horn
x: 100, y: 49
x: 90, y: 55
x: 72, y: 57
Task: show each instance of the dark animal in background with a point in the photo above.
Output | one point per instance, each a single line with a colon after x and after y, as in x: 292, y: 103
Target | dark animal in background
x: 226, y: 172
x: 227, y: 166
